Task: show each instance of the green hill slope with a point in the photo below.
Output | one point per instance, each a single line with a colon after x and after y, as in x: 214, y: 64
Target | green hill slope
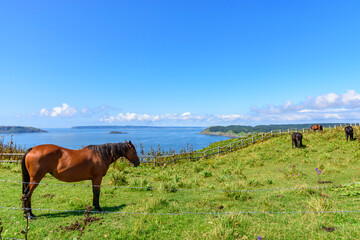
x: 241, y: 130
x: 284, y: 200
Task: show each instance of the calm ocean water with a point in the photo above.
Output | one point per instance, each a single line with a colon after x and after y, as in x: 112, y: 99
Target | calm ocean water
x: 150, y: 137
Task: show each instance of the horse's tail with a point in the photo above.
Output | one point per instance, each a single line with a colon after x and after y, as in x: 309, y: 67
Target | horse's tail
x: 25, y: 172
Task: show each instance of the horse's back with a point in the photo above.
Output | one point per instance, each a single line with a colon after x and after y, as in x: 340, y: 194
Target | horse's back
x: 43, y: 156
x: 61, y: 162
x: 49, y: 153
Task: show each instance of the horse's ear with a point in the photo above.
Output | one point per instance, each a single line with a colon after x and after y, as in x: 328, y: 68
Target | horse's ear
x: 130, y: 143
x: 126, y: 141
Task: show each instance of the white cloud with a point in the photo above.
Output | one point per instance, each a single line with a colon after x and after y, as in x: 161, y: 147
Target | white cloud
x: 186, y: 117
x: 62, y: 111
x: 332, y: 116
x: 351, y: 98
x: 327, y: 107
x: 348, y: 100
x: 326, y: 101
x: 130, y: 117
x: 44, y: 112
x: 230, y: 117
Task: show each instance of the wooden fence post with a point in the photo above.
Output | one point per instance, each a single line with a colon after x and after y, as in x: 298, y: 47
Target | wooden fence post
x: 205, y: 154
x: 218, y: 150
x: 271, y: 133
x: 242, y: 143
x: 252, y: 139
x: 154, y: 161
x: 262, y: 136
x: 303, y: 130
x: 280, y: 131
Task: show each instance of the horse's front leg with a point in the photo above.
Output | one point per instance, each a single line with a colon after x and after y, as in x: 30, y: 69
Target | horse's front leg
x: 96, y: 192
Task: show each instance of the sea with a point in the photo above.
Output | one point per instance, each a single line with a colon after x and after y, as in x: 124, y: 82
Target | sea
x: 165, y: 138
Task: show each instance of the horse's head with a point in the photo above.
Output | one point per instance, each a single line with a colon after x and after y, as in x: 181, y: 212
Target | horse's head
x: 131, y: 154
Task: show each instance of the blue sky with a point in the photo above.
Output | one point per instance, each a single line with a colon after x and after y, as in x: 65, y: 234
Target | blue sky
x: 178, y: 63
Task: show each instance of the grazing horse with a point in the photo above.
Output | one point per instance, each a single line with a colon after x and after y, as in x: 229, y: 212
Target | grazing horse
x: 88, y: 163
x: 296, y: 138
x: 315, y: 127
x: 349, y: 133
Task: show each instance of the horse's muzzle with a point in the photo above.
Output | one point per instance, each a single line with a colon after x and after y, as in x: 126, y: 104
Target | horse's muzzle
x: 136, y: 164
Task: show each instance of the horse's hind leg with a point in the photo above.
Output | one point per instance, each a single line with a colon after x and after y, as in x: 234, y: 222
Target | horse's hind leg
x: 96, y: 192
x: 34, y: 182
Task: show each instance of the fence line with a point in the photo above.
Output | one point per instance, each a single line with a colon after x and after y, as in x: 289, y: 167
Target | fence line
x: 184, y: 189
x: 195, y: 155
x: 185, y: 213
x: 14, y: 238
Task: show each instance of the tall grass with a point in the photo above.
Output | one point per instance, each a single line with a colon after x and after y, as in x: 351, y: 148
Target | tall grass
x: 10, y: 146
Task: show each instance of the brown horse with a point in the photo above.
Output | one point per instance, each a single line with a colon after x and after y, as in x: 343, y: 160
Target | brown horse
x: 315, y: 127
x: 88, y: 163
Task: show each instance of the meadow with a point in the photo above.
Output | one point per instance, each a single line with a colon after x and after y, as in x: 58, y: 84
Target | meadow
x: 282, y: 193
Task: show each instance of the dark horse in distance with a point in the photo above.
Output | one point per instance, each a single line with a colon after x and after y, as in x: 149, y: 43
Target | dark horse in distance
x: 88, y: 163
x: 349, y: 131
x: 296, y: 138
x: 315, y: 127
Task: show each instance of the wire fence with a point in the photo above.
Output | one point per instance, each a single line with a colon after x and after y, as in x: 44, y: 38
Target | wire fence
x: 161, y: 159
x: 149, y: 188
x: 13, y: 238
x: 182, y: 213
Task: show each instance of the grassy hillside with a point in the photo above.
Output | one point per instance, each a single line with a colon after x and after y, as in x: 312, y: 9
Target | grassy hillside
x: 242, y: 130
x: 178, y: 188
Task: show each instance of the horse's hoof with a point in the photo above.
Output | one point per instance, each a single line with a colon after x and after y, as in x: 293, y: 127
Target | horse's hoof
x: 100, y: 209
x: 29, y: 216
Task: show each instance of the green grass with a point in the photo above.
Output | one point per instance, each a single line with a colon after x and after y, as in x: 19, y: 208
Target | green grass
x: 265, y: 165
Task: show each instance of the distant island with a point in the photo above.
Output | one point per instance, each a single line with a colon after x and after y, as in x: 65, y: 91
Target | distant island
x: 19, y: 129
x: 242, y: 130
x: 117, y: 132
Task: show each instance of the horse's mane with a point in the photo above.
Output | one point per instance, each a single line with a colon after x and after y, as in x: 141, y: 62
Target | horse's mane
x: 110, y: 151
